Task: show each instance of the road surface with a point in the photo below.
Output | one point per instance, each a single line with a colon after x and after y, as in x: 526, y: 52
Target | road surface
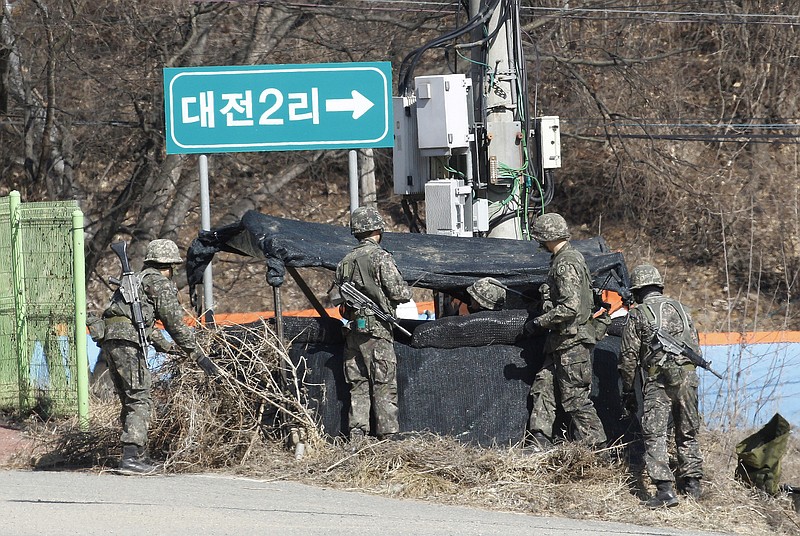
x: 43, y: 503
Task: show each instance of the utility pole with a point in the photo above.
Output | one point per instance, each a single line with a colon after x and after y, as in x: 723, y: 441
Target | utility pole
x: 496, y: 81
x: 466, y: 143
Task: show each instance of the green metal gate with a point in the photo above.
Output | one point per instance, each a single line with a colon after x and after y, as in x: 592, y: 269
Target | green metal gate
x: 43, y: 362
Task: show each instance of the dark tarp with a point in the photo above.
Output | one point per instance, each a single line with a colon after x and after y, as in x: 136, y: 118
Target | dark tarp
x: 475, y: 393
x: 437, y: 262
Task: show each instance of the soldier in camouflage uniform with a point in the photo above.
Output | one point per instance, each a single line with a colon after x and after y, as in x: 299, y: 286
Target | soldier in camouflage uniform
x: 669, y: 386
x: 566, y: 375
x: 126, y: 362
x: 370, y: 364
x: 486, y: 294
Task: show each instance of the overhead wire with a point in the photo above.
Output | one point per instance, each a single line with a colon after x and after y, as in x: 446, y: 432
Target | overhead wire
x: 409, y: 63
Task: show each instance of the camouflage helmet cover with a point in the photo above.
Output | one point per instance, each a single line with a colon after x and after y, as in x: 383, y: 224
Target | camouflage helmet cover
x: 163, y: 251
x: 488, y: 293
x: 550, y: 227
x: 644, y: 275
x: 366, y: 219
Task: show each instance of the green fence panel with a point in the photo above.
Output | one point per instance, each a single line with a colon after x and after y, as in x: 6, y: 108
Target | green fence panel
x: 38, y: 351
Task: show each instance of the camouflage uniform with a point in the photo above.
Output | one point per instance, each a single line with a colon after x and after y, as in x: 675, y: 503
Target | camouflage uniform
x: 567, y: 371
x: 567, y: 313
x: 126, y: 363
x: 370, y: 364
x: 670, y: 385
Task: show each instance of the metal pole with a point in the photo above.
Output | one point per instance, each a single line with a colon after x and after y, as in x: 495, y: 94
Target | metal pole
x: 205, y: 224
x: 20, y: 304
x: 352, y: 168
x: 79, y: 282
x: 276, y: 296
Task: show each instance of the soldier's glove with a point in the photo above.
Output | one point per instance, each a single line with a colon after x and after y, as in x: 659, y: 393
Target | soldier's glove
x: 533, y: 327
x: 204, y: 362
x: 630, y: 405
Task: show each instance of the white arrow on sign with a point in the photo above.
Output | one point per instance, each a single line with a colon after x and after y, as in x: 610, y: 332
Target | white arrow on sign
x: 358, y: 104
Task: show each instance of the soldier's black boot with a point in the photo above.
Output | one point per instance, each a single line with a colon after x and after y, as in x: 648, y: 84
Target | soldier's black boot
x: 537, y: 442
x: 133, y: 462
x: 692, y: 488
x: 143, y: 457
x: 665, y: 496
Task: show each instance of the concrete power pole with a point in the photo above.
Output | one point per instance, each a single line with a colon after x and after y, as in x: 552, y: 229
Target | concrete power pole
x: 496, y: 93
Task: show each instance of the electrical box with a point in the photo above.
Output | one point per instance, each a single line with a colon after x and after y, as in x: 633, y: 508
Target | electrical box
x: 448, y: 207
x: 411, y: 169
x: 480, y: 215
x: 549, y: 141
x: 443, y: 110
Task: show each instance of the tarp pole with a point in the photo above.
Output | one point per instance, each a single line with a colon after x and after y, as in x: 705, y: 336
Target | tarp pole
x: 352, y: 168
x: 276, y: 295
x: 205, y: 224
x: 79, y: 281
x: 308, y: 292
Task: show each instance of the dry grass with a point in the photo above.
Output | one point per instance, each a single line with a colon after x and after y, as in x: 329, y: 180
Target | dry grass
x: 241, y: 424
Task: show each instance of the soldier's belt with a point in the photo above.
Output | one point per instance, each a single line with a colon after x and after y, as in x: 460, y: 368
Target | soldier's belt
x: 117, y: 320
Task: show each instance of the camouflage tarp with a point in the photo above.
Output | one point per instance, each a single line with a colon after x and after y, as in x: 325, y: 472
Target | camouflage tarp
x: 438, y: 262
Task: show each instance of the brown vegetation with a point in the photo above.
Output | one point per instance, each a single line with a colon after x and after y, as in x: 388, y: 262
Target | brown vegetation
x: 679, y: 130
x: 251, y: 421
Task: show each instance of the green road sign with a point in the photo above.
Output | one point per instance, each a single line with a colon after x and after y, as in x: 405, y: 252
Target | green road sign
x: 278, y: 107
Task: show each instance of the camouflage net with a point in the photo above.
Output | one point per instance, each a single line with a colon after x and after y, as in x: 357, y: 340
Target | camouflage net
x: 478, y: 329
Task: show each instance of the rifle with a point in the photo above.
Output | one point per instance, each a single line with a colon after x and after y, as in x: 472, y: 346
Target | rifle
x: 358, y: 300
x: 624, y: 292
x: 129, y: 288
x: 509, y: 289
x: 663, y: 340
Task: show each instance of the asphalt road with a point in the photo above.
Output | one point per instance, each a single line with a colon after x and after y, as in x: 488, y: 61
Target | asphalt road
x: 62, y: 503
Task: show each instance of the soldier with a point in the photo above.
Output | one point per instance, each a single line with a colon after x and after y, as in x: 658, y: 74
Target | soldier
x: 370, y: 364
x: 127, y: 365
x: 669, y: 386
x: 486, y: 294
x: 566, y: 374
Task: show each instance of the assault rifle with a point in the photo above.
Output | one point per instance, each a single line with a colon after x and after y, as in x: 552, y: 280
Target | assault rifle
x: 129, y: 288
x: 358, y: 300
x: 624, y: 292
x: 663, y: 340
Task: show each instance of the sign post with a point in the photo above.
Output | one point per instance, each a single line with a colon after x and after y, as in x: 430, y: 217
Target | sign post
x: 278, y: 107
x: 275, y: 108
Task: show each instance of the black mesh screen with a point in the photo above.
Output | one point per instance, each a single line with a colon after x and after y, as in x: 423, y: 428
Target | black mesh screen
x: 477, y: 395
x: 478, y: 329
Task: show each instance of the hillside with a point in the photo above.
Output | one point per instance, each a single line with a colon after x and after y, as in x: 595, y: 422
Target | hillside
x: 679, y: 129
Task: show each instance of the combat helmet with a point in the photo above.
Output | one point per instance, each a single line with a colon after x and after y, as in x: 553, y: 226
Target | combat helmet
x: 488, y: 293
x: 162, y: 251
x: 645, y: 275
x: 366, y: 219
x: 550, y: 227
